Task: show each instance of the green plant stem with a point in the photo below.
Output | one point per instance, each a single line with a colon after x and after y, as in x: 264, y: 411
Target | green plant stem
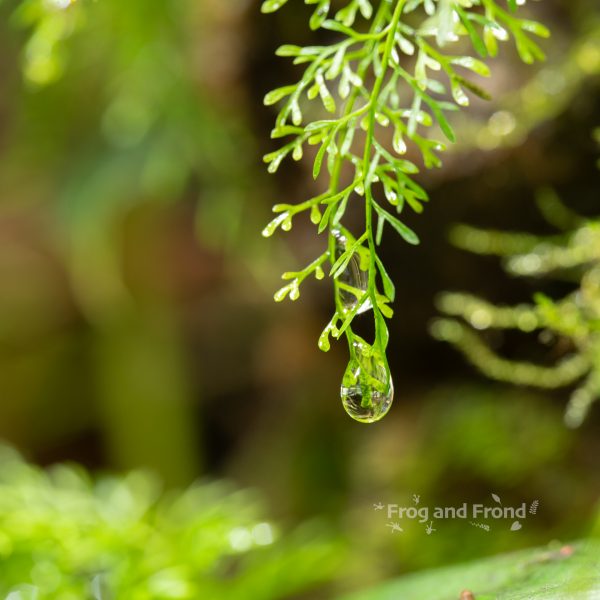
x: 389, y: 44
x: 336, y: 171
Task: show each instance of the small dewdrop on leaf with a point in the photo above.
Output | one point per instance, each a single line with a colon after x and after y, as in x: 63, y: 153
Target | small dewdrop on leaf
x: 287, y: 223
x: 323, y: 342
x: 459, y: 95
x: 468, y: 62
x: 391, y: 196
x: 330, y: 328
x: 326, y: 97
x: 398, y: 142
x: 336, y: 64
x: 274, y: 159
x: 499, y: 32
x: 294, y: 290
x: 319, y: 273
x: 382, y: 119
x: 280, y: 294
x: 269, y: 230
x: 344, y: 87
x: 296, y: 113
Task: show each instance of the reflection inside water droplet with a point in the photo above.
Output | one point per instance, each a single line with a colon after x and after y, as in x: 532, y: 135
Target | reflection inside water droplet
x: 367, y: 390
x: 353, y: 282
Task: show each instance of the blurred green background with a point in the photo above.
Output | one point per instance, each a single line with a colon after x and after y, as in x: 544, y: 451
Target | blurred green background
x: 137, y: 327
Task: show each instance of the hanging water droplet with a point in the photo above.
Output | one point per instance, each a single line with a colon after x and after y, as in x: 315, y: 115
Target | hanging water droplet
x: 353, y: 276
x: 382, y: 119
x: 367, y: 390
x: 499, y: 32
x: 323, y: 342
x: 398, y: 142
x: 391, y: 195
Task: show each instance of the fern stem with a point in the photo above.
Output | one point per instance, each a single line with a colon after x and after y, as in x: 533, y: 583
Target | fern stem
x: 336, y: 171
x: 389, y: 44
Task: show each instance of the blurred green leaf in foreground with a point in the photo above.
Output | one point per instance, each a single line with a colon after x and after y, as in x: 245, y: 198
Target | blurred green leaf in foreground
x: 64, y: 536
x: 557, y: 573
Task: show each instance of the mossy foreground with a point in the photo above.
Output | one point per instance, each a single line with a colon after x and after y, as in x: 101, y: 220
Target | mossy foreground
x: 570, y: 572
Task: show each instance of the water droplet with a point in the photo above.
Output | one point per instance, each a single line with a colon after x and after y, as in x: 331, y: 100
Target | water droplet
x: 330, y: 328
x: 367, y: 390
x: 280, y: 294
x: 353, y: 276
x: 398, y: 142
x: 273, y: 166
x: 294, y: 290
x: 323, y: 342
x: 274, y: 224
x: 382, y: 119
x: 499, y: 32
x: 287, y: 223
x: 391, y: 196
x: 296, y: 114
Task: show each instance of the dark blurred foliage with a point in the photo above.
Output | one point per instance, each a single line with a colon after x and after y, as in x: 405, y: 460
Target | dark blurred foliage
x: 137, y: 327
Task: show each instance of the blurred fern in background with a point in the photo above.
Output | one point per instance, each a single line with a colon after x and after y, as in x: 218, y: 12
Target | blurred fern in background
x: 573, y: 321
